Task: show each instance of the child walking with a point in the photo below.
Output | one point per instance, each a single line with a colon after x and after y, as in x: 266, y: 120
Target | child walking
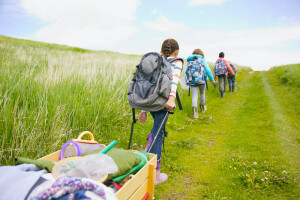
x: 231, y: 78
x: 198, y: 55
x: 169, y: 49
x: 221, y: 71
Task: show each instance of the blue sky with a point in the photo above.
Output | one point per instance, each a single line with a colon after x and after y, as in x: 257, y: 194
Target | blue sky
x: 256, y: 33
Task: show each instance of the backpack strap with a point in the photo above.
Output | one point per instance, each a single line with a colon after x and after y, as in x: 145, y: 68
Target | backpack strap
x: 134, y: 120
x: 171, y: 60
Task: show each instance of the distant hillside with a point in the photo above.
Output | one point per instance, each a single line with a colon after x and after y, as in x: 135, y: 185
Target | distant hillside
x: 288, y: 74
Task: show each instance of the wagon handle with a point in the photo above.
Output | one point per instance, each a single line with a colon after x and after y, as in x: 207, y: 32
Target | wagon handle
x: 85, y: 133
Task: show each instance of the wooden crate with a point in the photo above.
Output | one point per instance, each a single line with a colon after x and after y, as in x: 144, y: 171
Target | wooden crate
x: 137, y: 187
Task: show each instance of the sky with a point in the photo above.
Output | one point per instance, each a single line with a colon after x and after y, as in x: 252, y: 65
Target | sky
x: 257, y: 33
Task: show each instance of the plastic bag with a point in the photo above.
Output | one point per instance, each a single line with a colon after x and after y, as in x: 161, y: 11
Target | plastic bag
x: 93, y: 166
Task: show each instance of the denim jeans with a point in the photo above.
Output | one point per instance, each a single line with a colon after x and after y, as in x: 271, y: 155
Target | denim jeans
x: 158, y: 118
x: 231, y: 80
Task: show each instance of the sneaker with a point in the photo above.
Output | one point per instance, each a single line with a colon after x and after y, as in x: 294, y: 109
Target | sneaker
x: 160, y: 177
x: 222, y: 94
x: 204, y: 108
x: 195, y: 113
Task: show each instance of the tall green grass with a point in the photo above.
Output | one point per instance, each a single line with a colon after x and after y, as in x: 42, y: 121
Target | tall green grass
x: 51, y: 93
x: 288, y: 74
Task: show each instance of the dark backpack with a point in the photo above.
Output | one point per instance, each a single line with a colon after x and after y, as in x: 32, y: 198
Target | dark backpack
x: 220, y: 68
x: 195, y: 73
x: 150, y: 86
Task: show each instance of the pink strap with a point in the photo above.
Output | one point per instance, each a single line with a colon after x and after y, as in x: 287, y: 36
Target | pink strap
x: 117, y: 186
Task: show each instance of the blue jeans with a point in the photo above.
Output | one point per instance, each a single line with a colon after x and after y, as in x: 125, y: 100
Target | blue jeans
x: 158, y: 118
x: 231, y: 80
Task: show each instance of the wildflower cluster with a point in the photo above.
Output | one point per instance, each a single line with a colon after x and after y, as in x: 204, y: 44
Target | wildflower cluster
x: 258, y: 174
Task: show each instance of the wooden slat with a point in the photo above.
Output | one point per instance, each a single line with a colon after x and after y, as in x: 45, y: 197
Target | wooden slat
x: 132, y: 185
x: 141, y: 191
x: 151, y: 181
x: 53, y: 157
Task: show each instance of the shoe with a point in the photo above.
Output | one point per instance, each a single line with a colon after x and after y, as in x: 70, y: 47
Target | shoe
x: 222, y: 94
x: 203, y: 108
x: 160, y: 177
x: 195, y: 113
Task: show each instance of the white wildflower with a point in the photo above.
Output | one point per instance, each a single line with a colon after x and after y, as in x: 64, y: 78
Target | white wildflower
x: 284, y: 172
x: 262, y: 180
x: 255, y: 163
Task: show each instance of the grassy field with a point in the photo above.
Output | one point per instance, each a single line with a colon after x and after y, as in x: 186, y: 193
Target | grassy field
x: 50, y: 93
x: 246, y: 146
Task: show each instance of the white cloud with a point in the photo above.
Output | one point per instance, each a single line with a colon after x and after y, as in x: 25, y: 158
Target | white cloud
x: 164, y: 25
x: 93, y: 24
x: 154, y: 11
x: 205, y: 2
x: 259, y: 49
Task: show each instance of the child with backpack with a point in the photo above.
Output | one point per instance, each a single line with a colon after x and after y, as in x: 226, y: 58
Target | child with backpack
x: 221, y: 70
x: 169, y: 51
x: 231, y: 77
x: 196, y: 74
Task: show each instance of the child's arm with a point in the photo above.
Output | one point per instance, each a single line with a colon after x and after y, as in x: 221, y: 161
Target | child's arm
x: 229, y: 68
x: 207, y: 69
x: 170, y: 105
x: 176, y: 71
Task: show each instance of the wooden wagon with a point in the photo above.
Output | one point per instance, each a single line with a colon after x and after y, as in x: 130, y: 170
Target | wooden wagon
x: 141, y: 186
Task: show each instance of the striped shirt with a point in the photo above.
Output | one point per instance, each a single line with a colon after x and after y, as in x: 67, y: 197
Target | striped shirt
x: 176, y: 71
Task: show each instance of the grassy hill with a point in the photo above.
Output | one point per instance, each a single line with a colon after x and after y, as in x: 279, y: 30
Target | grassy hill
x: 246, y: 146
x: 51, y: 93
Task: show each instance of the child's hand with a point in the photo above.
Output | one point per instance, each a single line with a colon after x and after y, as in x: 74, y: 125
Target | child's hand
x: 170, y: 105
x: 143, y: 117
x: 212, y: 82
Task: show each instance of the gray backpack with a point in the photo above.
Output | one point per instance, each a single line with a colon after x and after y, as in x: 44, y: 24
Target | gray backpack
x: 150, y: 86
x: 234, y: 69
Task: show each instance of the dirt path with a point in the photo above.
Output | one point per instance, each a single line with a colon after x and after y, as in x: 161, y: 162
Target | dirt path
x: 232, y: 145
